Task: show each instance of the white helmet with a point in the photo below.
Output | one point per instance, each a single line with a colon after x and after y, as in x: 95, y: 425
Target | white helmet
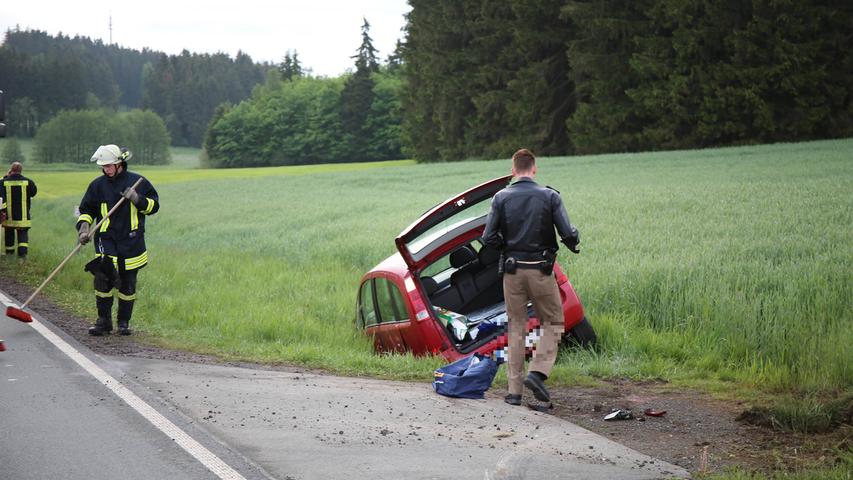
x: 111, y: 154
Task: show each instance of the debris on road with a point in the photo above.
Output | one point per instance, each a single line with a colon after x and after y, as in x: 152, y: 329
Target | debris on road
x: 618, y: 414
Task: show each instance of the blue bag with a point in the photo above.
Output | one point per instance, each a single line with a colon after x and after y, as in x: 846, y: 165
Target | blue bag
x: 468, y: 377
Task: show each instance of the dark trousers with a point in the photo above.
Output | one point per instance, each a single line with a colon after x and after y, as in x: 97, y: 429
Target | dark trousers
x: 126, y: 296
x: 23, y: 240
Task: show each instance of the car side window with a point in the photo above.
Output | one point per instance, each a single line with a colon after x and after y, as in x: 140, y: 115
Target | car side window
x: 390, y: 302
x: 440, y: 265
x: 367, y: 310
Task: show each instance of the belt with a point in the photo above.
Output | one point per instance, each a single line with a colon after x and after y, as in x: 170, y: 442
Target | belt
x: 527, y: 256
x: 530, y: 265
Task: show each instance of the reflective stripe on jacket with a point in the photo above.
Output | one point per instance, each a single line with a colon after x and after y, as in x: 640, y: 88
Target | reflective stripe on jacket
x: 17, y: 191
x: 122, y: 235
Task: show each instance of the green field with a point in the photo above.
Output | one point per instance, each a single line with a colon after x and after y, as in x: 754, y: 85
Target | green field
x: 728, y: 269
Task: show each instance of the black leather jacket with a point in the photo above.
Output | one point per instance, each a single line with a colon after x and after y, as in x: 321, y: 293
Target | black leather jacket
x: 522, y: 220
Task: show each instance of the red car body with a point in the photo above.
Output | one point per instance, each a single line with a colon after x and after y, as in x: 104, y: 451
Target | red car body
x: 401, y: 305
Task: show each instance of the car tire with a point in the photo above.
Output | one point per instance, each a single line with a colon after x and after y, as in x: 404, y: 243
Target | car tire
x: 582, y: 334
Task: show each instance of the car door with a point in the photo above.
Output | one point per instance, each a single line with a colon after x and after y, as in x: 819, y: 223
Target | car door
x: 385, y: 315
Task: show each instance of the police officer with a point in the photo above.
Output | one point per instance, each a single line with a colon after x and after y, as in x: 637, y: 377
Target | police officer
x: 521, y: 224
x: 120, y: 240
x: 17, y: 192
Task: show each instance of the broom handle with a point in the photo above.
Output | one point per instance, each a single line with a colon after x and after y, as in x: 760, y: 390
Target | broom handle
x: 78, y: 247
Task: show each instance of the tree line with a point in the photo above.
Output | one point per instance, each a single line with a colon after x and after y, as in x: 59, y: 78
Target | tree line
x: 43, y: 75
x: 297, y: 119
x: 589, y: 76
x: 478, y: 79
x: 71, y: 134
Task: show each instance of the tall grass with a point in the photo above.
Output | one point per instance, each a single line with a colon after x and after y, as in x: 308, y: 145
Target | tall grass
x: 729, y: 265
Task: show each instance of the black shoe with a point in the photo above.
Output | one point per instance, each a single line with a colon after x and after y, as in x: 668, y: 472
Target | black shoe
x: 99, y: 331
x: 124, y: 328
x: 101, y: 327
x: 537, y: 386
x: 513, y: 399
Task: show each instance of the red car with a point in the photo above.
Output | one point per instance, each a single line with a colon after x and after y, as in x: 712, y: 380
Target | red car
x: 441, y: 293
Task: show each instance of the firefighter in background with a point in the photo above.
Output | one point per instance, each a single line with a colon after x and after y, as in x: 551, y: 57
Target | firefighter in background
x: 17, y: 192
x: 120, y: 240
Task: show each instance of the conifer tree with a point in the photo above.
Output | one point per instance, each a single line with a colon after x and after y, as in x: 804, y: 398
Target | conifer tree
x: 357, y: 97
x: 290, y: 67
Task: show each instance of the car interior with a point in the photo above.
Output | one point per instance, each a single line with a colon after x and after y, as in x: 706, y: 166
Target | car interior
x: 470, y: 287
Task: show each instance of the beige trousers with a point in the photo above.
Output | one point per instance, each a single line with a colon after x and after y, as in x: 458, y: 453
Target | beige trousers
x: 520, y: 287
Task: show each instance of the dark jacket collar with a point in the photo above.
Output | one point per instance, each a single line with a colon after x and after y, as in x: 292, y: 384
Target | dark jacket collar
x: 524, y: 180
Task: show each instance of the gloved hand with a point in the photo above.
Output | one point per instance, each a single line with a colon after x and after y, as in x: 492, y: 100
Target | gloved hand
x: 131, y: 195
x: 83, y: 233
x: 572, y: 242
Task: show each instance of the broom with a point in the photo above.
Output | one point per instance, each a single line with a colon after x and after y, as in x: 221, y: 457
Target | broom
x: 19, y: 313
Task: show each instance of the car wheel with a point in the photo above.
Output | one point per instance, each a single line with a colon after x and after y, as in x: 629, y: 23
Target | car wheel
x: 582, y: 334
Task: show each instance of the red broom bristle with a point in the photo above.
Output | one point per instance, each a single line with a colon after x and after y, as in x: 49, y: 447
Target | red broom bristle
x: 18, y: 314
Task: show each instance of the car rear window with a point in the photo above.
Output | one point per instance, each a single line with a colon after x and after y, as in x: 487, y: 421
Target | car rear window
x: 460, y: 219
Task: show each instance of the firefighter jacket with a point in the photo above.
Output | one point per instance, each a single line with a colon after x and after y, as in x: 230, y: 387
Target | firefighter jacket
x: 122, y: 236
x: 522, y: 221
x: 17, y: 191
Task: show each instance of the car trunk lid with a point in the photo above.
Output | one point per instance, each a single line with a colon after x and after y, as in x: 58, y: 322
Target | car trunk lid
x: 417, y: 241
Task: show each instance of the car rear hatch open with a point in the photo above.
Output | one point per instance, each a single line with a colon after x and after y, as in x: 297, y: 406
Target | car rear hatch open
x: 422, y: 241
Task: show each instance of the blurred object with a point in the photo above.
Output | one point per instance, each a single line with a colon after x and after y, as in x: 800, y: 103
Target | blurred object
x: 618, y: 414
x: 2, y: 115
x: 703, y: 460
x: 650, y: 412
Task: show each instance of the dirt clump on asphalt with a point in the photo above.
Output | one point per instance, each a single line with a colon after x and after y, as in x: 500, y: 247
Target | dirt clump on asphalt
x: 697, y: 432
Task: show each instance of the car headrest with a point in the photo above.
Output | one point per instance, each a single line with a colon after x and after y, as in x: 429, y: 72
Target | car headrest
x: 462, y: 256
x: 488, y: 255
x: 430, y: 285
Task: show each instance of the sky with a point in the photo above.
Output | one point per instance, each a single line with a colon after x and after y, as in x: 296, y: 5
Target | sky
x: 324, y: 33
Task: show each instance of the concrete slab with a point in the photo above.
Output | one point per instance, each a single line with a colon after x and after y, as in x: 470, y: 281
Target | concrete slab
x: 308, y: 426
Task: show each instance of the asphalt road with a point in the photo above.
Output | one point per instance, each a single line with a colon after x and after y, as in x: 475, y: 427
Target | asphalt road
x: 68, y: 413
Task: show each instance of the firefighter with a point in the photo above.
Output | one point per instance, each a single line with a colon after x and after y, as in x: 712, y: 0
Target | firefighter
x: 120, y: 240
x: 521, y: 224
x: 17, y: 192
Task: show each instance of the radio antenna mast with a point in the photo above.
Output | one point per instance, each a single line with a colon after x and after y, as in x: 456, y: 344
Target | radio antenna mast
x: 111, y: 28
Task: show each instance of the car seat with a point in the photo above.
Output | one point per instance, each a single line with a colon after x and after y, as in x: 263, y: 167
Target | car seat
x: 430, y: 285
x: 463, y: 259
x: 462, y: 256
x: 486, y: 280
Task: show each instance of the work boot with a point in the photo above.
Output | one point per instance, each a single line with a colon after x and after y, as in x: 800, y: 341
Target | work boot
x: 513, y: 399
x: 103, y: 326
x: 124, y: 327
x: 535, y: 382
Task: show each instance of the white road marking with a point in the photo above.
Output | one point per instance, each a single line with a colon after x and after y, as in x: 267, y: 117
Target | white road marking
x: 197, y: 450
